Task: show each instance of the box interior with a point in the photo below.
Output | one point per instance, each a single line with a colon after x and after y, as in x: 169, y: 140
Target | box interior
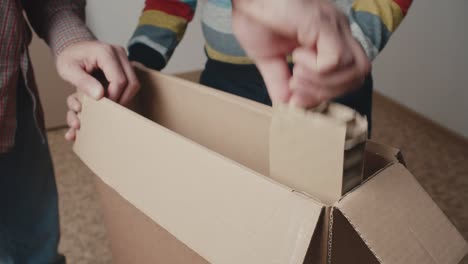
x: 232, y: 126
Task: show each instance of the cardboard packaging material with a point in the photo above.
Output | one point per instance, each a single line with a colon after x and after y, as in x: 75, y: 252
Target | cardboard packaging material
x: 194, y: 175
x: 330, y: 137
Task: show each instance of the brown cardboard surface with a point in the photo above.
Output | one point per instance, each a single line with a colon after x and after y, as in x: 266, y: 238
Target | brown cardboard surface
x: 378, y: 156
x: 191, y: 187
x: 136, y: 238
x: 399, y: 221
x: 307, y: 152
x: 227, y: 213
x: 235, y: 127
x: 347, y: 246
x: 317, y: 251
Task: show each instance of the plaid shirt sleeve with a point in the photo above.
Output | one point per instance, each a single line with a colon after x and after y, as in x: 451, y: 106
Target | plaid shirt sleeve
x: 59, y: 22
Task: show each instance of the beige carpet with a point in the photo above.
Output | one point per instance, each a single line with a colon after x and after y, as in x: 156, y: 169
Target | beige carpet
x: 437, y: 158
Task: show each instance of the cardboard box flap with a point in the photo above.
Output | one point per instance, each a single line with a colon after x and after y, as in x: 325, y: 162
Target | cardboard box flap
x: 307, y: 152
x: 378, y: 156
x: 223, y: 211
x: 399, y: 222
x: 230, y: 125
x: 347, y: 247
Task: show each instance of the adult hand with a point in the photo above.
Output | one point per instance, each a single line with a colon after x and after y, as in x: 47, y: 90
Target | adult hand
x: 77, y: 62
x: 329, y: 62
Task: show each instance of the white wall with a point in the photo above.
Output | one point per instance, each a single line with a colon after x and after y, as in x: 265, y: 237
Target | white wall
x: 425, y: 65
x: 116, y: 26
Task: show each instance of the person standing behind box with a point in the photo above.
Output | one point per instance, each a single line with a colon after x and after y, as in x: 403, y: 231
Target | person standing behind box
x: 29, y: 222
x: 162, y: 25
x: 249, y: 47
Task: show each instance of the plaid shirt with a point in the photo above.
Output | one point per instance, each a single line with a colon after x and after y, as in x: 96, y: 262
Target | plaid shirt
x: 59, y: 23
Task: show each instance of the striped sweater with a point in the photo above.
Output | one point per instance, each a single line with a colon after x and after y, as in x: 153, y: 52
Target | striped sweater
x: 163, y: 23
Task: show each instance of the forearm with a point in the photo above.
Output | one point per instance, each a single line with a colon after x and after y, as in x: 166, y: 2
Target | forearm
x: 374, y: 21
x: 161, y: 27
x: 59, y: 22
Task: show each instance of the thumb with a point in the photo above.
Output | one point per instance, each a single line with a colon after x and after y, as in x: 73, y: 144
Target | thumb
x: 276, y: 74
x: 83, y: 81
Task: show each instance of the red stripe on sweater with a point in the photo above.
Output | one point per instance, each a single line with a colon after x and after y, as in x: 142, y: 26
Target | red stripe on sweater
x: 404, y: 5
x: 171, y: 7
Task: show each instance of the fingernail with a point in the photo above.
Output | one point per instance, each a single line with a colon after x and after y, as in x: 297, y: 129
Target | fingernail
x: 96, y: 92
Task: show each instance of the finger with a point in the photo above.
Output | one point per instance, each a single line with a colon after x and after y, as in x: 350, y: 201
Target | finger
x: 316, y: 90
x: 305, y: 94
x: 340, y: 78
x: 72, y: 120
x: 70, y: 135
x: 362, y: 62
x: 133, y: 85
x: 276, y: 74
x: 302, y: 72
x: 334, y: 86
x: 345, y: 29
x: 73, y: 103
x: 109, y: 63
x: 330, y: 45
x: 306, y: 57
x: 81, y: 79
x: 304, y: 99
x: 308, y: 31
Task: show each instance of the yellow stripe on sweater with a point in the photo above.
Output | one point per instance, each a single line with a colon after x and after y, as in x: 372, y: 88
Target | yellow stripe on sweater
x: 216, y: 55
x: 219, y: 56
x: 388, y: 11
x: 163, y: 20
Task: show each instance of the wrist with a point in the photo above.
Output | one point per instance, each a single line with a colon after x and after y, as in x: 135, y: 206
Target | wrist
x: 147, y: 56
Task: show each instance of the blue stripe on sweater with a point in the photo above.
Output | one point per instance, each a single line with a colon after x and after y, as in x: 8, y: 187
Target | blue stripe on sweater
x: 222, y: 42
x: 373, y: 27
x: 221, y: 3
x: 162, y: 36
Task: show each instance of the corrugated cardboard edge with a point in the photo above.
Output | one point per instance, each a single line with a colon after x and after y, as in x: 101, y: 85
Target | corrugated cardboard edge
x: 105, y: 131
x: 458, y: 248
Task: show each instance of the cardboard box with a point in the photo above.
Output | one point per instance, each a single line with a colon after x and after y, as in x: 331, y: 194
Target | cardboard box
x: 188, y: 182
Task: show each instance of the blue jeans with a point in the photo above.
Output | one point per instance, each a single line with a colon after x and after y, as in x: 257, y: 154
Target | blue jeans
x: 29, y: 222
x: 246, y: 81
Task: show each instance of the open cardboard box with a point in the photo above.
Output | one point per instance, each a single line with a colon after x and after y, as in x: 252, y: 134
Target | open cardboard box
x: 187, y: 181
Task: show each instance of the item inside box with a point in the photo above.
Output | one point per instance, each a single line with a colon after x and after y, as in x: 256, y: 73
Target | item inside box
x: 356, y: 136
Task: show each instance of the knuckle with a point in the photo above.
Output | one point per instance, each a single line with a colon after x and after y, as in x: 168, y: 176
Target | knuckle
x: 69, y: 101
x: 107, y: 48
x: 135, y: 86
x: 121, y: 49
x: 121, y: 81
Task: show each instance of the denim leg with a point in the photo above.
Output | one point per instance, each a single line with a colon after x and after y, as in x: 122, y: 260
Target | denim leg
x: 241, y: 80
x: 29, y: 222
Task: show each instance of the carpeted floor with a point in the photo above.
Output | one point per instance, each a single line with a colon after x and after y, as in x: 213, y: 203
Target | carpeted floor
x: 437, y: 158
